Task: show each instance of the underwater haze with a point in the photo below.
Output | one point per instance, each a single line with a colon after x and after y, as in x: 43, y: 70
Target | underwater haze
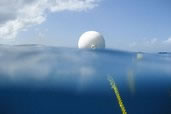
x: 37, y: 79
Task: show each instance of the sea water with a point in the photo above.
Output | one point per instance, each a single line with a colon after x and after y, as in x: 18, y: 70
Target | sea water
x: 37, y: 79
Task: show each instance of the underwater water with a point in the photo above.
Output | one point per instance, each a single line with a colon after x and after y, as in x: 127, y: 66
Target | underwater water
x: 36, y: 79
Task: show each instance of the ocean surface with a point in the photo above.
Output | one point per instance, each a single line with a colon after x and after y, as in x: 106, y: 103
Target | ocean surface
x: 37, y: 79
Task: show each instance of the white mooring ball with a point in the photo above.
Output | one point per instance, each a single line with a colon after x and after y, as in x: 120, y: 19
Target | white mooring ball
x: 91, y: 39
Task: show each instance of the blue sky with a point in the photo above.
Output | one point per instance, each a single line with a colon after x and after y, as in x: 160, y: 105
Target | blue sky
x: 133, y: 25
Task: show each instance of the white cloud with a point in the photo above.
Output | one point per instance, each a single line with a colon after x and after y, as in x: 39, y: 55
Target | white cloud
x: 168, y: 41
x: 17, y: 15
x: 151, y: 45
x: 132, y: 44
x: 152, y: 41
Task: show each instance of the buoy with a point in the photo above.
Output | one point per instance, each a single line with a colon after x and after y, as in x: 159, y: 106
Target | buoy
x: 91, y: 39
